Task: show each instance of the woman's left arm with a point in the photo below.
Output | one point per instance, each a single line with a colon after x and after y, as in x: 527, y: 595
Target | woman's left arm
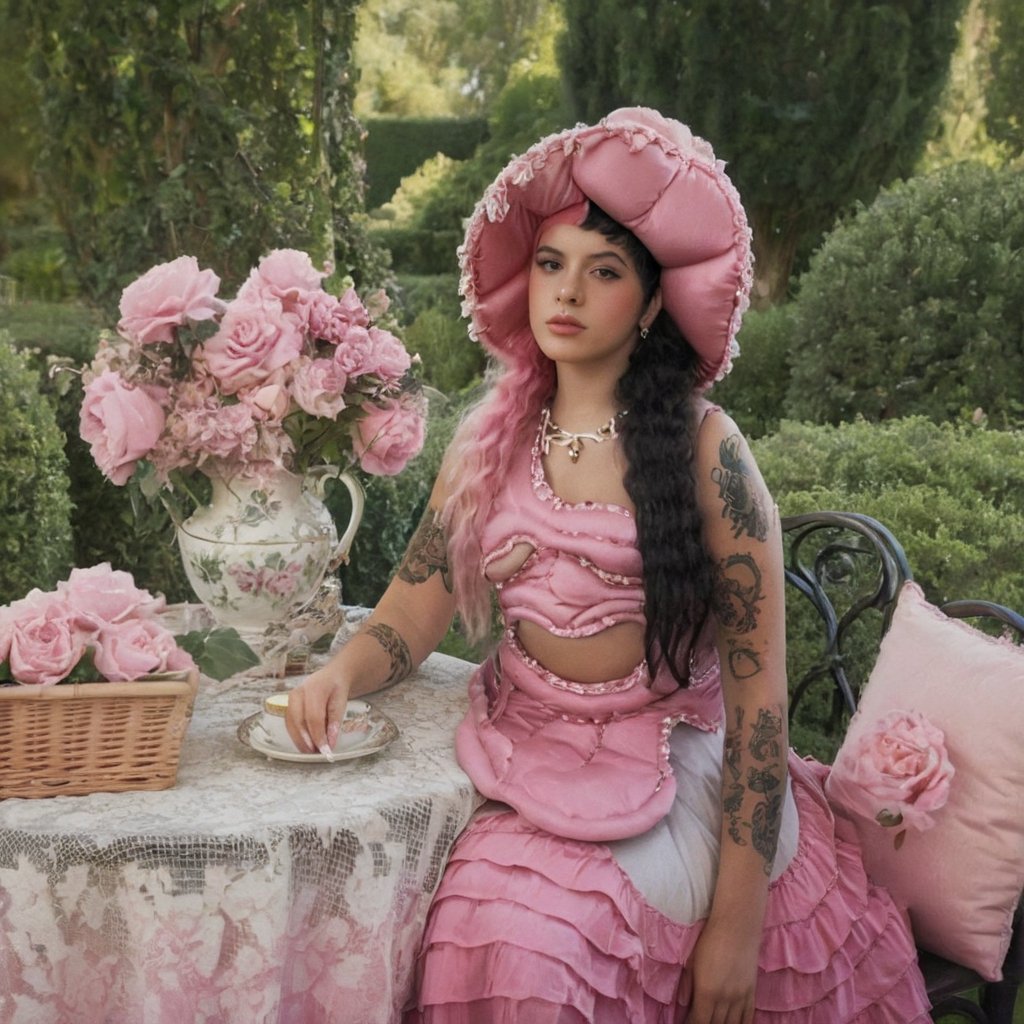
x: 743, y: 540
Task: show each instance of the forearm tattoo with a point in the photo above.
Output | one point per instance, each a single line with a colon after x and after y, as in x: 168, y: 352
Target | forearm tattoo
x: 736, y: 595
x: 397, y: 650
x: 754, y: 769
x: 740, y: 502
x: 427, y: 552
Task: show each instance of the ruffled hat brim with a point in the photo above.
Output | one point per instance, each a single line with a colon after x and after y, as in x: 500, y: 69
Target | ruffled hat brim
x: 653, y: 176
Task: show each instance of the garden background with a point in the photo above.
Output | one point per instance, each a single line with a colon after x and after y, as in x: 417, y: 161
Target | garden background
x: 878, y: 148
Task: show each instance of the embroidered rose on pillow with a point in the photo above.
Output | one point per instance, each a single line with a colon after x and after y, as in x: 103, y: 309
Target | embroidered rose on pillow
x: 898, y: 772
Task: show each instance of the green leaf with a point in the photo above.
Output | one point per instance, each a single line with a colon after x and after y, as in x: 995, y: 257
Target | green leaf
x: 85, y: 671
x: 220, y: 652
x: 889, y: 819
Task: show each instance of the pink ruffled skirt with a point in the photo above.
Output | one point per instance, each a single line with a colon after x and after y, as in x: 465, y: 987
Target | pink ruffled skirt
x: 530, y: 927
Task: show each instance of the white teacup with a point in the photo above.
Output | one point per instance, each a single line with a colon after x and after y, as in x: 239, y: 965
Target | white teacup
x: 355, y: 726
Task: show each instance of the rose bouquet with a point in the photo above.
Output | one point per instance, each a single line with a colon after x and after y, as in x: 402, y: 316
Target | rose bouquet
x: 285, y: 375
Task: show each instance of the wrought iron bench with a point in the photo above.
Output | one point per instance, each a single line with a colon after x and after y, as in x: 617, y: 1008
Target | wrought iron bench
x: 850, y: 568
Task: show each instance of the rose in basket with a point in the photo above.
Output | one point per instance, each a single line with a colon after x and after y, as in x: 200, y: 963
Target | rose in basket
x: 97, y: 625
x: 285, y: 375
x: 898, y: 773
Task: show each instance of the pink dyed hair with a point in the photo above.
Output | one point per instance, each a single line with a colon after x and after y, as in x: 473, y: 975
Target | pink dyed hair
x: 477, y: 463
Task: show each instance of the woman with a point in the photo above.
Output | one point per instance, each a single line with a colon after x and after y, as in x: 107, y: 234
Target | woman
x: 649, y: 852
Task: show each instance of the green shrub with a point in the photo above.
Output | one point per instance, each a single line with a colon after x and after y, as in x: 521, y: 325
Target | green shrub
x: 451, y: 361
x: 913, y: 305
x: 952, y: 495
x: 395, y: 147
x: 416, y: 250
x: 754, y: 393
x: 104, y: 527
x: 416, y: 292
x: 64, y: 329
x: 35, y: 521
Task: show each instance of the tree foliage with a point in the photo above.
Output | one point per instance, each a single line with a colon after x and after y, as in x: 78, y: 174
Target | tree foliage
x: 913, y: 305
x: 1005, y: 97
x: 198, y: 126
x: 440, y: 58
x: 814, y: 105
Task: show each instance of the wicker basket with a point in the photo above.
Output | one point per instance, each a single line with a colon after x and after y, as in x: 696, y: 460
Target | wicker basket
x: 78, y: 738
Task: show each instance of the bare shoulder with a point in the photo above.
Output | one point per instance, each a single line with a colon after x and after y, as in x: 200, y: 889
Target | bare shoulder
x: 729, y: 485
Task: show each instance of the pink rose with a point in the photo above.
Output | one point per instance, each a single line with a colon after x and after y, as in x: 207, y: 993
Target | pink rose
x: 136, y: 648
x: 387, y: 437
x: 270, y: 402
x: 283, y: 582
x: 390, y: 359
x: 121, y: 423
x: 898, y: 771
x: 249, y: 580
x: 286, y: 275
x: 331, y: 319
x: 355, y: 354
x: 254, y: 340
x: 100, y: 595
x: 319, y: 387
x: 165, y: 297
x: 42, y: 644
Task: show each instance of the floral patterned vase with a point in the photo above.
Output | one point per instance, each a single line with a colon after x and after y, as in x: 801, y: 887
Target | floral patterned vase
x: 259, y: 550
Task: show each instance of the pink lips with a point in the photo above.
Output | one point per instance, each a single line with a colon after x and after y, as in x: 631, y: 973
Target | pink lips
x: 564, y: 325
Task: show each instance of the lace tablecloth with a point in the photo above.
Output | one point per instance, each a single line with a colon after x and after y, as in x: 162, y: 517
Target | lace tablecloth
x: 253, y: 891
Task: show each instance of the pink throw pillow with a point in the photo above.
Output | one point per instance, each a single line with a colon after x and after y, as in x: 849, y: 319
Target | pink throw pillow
x: 936, y: 795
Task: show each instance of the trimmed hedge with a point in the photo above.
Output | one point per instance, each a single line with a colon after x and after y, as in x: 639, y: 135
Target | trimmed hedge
x: 35, y: 507
x: 913, y: 305
x: 395, y: 147
x: 952, y: 495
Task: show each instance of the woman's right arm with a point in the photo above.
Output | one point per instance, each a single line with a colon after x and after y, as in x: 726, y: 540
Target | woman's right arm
x: 410, y: 620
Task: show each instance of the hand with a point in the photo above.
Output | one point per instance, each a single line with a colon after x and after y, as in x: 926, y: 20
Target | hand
x: 723, y: 974
x: 315, y: 710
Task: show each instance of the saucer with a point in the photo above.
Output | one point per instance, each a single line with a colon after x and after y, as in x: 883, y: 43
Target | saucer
x: 382, y: 732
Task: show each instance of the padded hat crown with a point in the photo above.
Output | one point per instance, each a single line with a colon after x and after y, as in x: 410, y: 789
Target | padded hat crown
x: 653, y: 176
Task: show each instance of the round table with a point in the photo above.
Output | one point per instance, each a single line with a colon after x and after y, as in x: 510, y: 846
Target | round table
x: 253, y: 891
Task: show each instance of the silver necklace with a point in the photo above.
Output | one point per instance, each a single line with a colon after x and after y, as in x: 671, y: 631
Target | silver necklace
x: 552, y: 433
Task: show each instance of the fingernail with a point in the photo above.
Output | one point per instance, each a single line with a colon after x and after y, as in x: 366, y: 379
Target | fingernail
x: 332, y: 733
x: 326, y: 751
x: 307, y: 739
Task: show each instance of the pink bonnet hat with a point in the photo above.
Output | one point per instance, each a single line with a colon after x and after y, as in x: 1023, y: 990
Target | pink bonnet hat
x: 653, y: 176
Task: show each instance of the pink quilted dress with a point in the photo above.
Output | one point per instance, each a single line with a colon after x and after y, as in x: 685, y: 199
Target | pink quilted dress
x: 578, y: 896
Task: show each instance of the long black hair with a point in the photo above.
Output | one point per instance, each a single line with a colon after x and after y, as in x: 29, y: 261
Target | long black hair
x: 659, y: 392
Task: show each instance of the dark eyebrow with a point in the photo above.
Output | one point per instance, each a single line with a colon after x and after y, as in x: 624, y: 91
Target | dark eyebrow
x: 594, y: 256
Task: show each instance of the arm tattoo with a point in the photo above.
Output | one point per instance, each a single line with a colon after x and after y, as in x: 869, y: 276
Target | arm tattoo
x: 737, y: 593
x: 396, y: 648
x: 744, y: 660
x: 735, y: 597
x: 427, y: 553
x: 764, y: 777
x: 740, y: 503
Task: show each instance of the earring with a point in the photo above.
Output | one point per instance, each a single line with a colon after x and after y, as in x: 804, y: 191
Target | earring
x: 644, y: 331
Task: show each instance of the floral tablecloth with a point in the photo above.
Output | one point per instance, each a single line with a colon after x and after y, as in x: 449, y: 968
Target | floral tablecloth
x: 254, y: 891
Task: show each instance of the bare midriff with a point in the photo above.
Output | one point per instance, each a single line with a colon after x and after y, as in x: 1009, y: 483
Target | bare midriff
x: 611, y: 654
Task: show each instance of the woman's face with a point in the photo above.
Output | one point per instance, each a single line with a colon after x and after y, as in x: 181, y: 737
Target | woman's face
x: 586, y: 299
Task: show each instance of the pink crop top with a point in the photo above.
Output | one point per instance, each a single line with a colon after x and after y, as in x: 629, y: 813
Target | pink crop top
x: 583, y: 760
x: 584, y: 572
